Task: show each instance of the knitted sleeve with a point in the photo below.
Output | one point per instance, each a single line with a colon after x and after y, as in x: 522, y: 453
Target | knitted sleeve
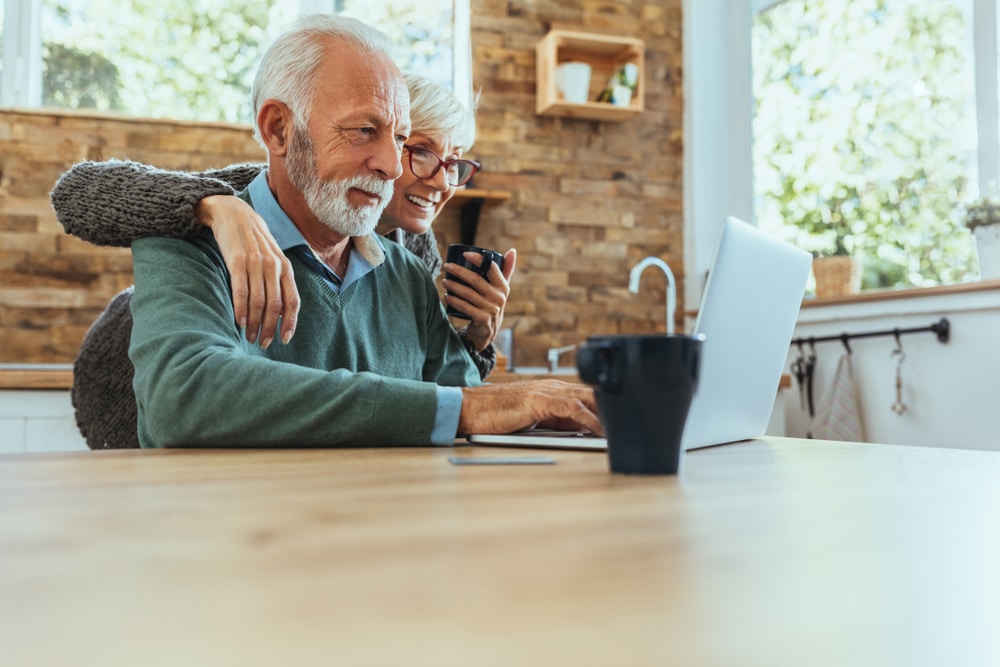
x: 485, y: 361
x: 101, y: 393
x: 115, y: 202
x: 425, y: 247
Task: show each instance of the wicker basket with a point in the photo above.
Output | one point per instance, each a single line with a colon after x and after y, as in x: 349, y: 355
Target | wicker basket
x: 837, y: 276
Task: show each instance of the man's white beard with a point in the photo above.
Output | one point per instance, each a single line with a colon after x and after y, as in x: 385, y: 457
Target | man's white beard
x: 328, y: 199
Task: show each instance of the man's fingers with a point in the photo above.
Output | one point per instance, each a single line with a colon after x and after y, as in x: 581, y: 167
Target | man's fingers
x: 507, y: 407
x: 586, y: 418
x: 577, y: 404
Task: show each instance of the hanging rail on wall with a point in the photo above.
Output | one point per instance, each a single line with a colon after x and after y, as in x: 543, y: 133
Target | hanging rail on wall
x: 942, y: 328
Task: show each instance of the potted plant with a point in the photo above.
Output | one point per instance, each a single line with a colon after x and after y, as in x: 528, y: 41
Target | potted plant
x: 621, y: 86
x: 982, y: 217
x: 834, y: 244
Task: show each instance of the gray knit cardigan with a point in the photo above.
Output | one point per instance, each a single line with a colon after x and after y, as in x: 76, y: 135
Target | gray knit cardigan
x: 111, y: 204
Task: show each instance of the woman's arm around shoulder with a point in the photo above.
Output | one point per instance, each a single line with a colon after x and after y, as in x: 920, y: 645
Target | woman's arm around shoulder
x: 115, y: 202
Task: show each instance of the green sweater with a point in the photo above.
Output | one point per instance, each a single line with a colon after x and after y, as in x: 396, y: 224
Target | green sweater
x: 362, y: 368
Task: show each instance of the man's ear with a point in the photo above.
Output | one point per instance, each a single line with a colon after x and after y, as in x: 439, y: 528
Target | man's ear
x: 275, y: 123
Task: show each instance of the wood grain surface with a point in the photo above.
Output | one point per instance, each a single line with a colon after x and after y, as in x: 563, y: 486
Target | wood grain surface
x: 772, y: 552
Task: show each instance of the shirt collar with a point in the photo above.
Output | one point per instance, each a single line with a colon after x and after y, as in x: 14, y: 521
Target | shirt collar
x: 288, y: 236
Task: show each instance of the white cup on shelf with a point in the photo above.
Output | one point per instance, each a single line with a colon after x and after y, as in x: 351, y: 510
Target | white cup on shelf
x: 573, y: 81
x: 621, y: 96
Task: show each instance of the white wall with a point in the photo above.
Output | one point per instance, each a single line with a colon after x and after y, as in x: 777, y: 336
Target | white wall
x: 717, y: 131
x: 951, y: 390
x: 38, y: 421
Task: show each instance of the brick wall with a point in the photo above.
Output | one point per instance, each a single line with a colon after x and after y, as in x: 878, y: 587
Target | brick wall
x: 52, y: 286
x: 590, y: 199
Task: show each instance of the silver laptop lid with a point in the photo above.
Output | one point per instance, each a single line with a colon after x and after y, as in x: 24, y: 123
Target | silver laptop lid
x: 748, y: 314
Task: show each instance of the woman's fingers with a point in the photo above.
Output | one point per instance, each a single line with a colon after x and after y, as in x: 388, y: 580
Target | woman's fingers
x: 261, y: 276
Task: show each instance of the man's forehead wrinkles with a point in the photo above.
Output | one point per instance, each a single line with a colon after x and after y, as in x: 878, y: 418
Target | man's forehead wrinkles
x: 384, y: 106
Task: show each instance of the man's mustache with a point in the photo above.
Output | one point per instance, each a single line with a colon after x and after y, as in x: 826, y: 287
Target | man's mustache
x: 372, y: 184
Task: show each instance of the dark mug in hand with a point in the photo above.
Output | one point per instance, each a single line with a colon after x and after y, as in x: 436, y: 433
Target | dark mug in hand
x: 456, y: 255
x: 644, y: 385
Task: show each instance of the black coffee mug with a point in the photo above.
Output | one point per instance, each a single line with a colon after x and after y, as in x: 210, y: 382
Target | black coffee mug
x: 456, y: 255
x: 644, y: 385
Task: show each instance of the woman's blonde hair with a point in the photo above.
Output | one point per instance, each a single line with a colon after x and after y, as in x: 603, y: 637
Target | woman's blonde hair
x: 434, y: 110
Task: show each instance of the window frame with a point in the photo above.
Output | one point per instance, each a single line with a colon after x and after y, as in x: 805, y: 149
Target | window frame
x: 21, y: 84
x: 718, y: 165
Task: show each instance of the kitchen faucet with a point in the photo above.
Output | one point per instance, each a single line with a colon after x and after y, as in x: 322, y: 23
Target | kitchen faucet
x: 633, y: 286
x: 554, y: 353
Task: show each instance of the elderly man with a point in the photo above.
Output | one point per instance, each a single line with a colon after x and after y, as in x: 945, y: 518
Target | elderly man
x: 374, y: 360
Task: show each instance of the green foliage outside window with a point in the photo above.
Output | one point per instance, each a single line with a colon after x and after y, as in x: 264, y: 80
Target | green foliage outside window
x: 864, y: 134
x: 188, y: 61
x: 196, y: 61
x: 78, y: 79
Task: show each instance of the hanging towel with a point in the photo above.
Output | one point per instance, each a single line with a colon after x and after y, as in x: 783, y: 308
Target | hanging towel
x: 838, y: 415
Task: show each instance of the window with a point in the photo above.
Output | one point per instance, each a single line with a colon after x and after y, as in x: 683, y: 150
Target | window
x: 865, y: 136
x: 195, y: 61
x: 720, y: 124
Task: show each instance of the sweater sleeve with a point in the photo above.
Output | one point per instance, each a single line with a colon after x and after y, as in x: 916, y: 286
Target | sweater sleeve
x: 115, y: 202
x: 198, y: 383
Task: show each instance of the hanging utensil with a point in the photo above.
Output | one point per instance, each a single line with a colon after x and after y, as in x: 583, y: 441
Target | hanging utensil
x: 810, y: 372
x: 898, y: 407
x: 799, y: 371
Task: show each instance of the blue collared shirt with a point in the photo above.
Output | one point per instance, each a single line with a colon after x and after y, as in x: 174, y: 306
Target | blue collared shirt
x: 290, y: 239
x: 366, y: 254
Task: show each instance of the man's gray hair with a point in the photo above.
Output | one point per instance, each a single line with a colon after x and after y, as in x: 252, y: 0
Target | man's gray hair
x: 288, y: 68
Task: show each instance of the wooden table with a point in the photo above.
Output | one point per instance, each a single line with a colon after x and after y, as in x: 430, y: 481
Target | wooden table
x: 776, y: 552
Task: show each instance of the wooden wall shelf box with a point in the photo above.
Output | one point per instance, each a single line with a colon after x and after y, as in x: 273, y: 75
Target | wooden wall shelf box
x: 605, y: 54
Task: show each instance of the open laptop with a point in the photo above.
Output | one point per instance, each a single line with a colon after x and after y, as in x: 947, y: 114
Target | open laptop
x: 748, y: 313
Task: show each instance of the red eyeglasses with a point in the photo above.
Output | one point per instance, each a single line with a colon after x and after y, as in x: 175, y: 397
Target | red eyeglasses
x: 425, y: 163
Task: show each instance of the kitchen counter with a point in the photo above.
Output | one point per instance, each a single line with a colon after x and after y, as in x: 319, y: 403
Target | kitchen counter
x: 60, y: 376
x: 36, y: 376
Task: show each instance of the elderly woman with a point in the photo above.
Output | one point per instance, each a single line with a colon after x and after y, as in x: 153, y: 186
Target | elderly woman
x: 112, y: 203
